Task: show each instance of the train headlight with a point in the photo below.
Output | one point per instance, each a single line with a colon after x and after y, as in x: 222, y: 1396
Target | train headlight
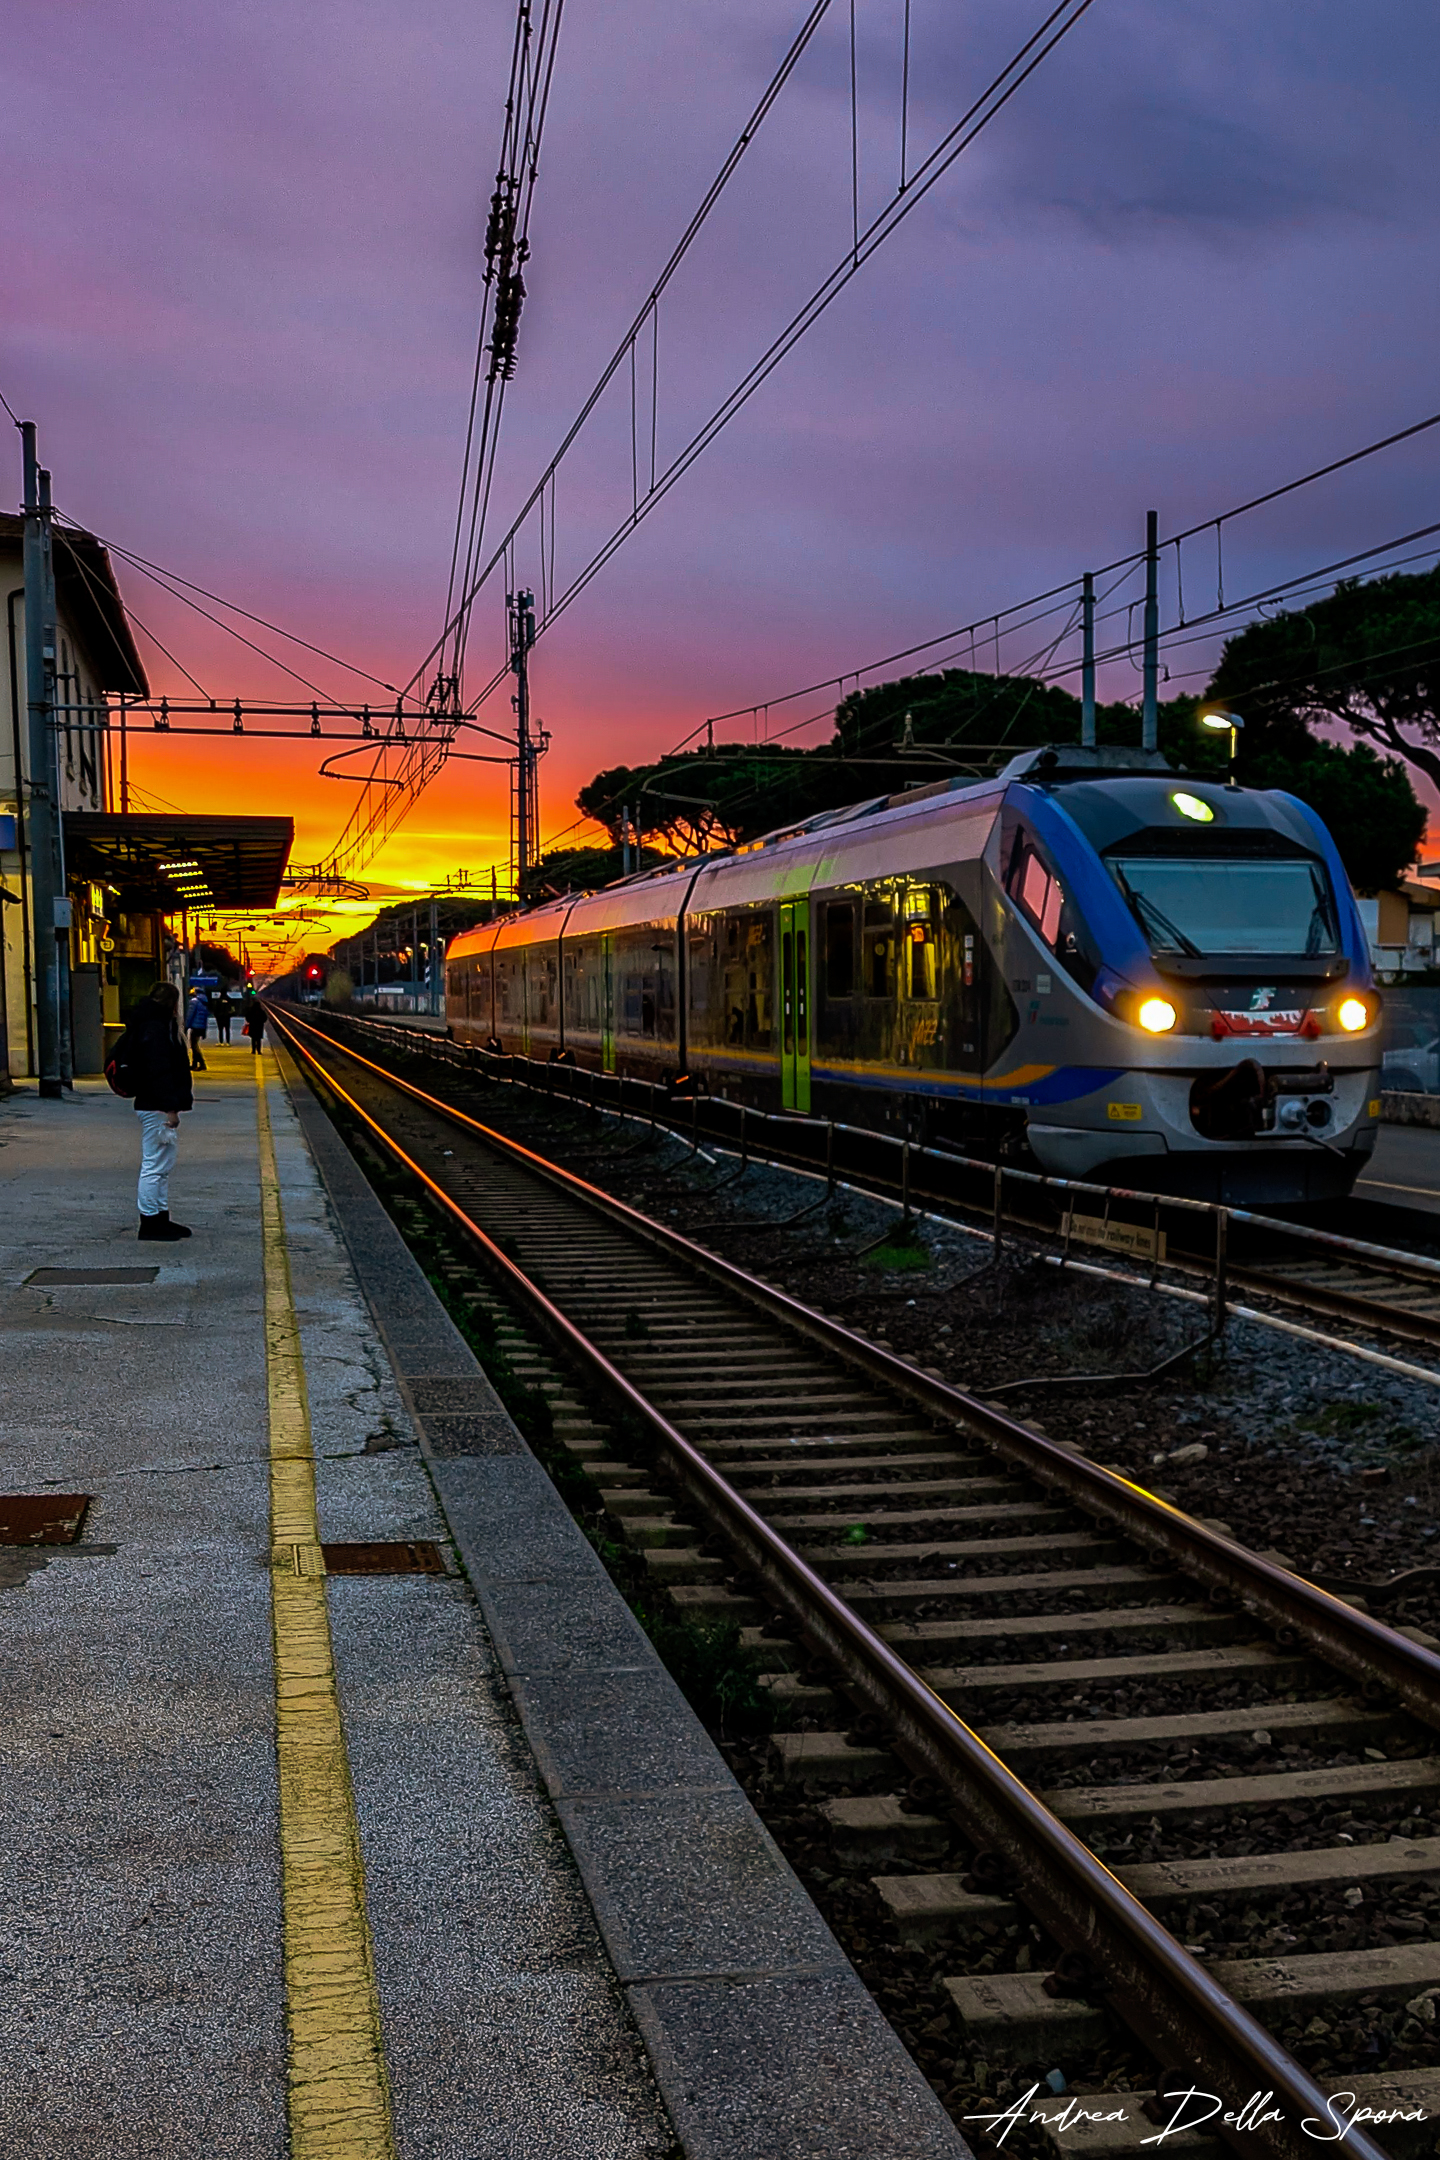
x: 1194, y: 806
x: 1353, y: 1014
x: 1157, y: 1016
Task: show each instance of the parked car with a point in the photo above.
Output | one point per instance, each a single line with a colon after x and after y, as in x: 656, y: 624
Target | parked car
x: 1412, y: 1065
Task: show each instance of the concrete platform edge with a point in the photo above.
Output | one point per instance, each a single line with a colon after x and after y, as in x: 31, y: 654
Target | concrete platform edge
x: 763, y: 2040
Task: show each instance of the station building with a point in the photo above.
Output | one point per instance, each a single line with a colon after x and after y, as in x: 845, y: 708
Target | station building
x: 128, y: 875
x: 95, y: 656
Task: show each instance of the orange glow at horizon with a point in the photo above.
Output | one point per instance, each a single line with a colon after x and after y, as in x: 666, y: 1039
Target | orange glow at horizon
x: 460, y: 824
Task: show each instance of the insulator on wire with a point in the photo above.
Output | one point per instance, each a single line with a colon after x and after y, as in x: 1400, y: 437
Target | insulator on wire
x: 509, y: 300
x: 500, y: 227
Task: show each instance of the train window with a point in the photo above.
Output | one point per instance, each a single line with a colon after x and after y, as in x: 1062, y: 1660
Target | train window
x: 839, y: 950
x: 879, y: 941
x: 749, y: 981
x: 1040, y: 895
x: 702, y: 952
x: 646, y: 969
x: 919, y: 950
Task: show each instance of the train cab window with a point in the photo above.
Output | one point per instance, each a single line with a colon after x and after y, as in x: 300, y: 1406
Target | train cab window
x: 839, y: 949
x: 1041, y: 896
x: 1044, y: 902
x: 879, y: 942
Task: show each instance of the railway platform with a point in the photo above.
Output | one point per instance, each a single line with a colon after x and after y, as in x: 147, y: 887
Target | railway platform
x: 346, y: 1809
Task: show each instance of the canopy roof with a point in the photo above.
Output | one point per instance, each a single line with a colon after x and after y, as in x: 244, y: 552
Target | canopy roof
x: 175, y: 861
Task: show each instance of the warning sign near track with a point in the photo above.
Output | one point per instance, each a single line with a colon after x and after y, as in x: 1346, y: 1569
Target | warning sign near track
x: 1123, y: 1237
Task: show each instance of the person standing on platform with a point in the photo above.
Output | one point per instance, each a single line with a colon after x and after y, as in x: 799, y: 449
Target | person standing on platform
x: 224, y: 1007
x: 255, y: 1017
x: 197, y: 1022
x: 155, y: 1055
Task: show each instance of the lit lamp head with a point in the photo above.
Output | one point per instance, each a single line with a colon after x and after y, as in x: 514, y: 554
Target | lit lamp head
x: 1224, y: 723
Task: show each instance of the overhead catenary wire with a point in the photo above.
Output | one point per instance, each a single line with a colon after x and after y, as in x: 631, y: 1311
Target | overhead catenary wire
x: 386, y: 795
x: 699, y: 218
x: 507, y: 251
x: 1056, y: 593
x: 158, y: 574
x: 991, y: 101
x: 88, y: 576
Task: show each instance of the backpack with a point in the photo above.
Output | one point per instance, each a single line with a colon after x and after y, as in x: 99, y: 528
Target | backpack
x: 119, y: 1074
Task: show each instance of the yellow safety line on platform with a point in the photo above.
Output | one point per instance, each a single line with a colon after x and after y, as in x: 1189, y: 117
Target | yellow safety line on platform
x: 339, y: 2102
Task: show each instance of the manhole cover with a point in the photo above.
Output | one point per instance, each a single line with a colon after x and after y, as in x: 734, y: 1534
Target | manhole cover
x: 48, y: 1276
x: 42, y: 1518
x: 417, y: 1556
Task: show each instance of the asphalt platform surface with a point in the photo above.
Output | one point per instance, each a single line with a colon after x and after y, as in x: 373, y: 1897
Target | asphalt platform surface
x: 586, y: 1946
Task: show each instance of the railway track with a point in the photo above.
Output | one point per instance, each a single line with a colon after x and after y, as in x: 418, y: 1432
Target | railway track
x: 1123, y: 1768
x: 1317, y: 1272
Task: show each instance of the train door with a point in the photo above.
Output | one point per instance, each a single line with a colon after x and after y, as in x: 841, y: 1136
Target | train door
x: 795, y: 1004
x: 607, y: 1002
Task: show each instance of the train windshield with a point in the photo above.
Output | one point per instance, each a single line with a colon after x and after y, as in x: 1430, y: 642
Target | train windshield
x: 1199, y: 907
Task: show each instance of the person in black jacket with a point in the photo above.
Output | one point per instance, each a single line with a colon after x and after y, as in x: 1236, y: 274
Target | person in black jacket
x: 155, y: 1052
x: 255, y: 1018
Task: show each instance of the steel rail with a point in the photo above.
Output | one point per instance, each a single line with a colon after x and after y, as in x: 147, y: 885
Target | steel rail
x: 1364, y: 1648
x: 1373, y: 1313
x: 1417, y: 1267
x: 1165, y: 1996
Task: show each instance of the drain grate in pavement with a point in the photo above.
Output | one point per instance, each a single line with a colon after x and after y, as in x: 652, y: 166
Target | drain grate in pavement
x: 414, y: 1556
x: 47, y: 1277
x: 42, y: 1518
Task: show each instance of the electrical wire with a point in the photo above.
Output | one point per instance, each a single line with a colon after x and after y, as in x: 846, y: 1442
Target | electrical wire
x: 102, y: 597
x: 157, y: 578
x: 728, y: 167
x: 385, y: 797
x: 1121, y: 564
x: 992, y: 100
x: 158, y: 570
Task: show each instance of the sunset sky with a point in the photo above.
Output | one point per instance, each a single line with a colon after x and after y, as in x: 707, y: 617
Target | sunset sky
x: 1193, y: 258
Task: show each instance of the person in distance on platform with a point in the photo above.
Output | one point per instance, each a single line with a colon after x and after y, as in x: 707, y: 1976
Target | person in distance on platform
x: 224, y: 1007
x: 157, y: 1058
x: 197, y: 1022
x: 255, y: 1018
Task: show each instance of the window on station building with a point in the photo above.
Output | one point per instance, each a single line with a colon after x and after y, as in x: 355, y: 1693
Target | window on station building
x: 839, y: 949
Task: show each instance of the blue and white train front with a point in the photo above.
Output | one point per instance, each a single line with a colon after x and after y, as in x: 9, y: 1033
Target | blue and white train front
x: 1200, y: 981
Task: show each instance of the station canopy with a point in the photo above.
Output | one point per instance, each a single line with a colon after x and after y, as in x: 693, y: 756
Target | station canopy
x: 170, y: 862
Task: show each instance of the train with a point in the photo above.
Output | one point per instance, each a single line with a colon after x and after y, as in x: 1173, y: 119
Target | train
x: 1091, y: 962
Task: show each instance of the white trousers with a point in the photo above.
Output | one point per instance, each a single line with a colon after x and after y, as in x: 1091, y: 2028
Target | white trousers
x: 158, y: 1142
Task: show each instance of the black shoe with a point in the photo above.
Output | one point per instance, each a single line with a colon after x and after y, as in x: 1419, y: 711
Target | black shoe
x: 160, y: 1226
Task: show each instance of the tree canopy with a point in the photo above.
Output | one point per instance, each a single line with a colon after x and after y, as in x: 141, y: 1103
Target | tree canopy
x: 1368, y: 658
x: 582, y: 869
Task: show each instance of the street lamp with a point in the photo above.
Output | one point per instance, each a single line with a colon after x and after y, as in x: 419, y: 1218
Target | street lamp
x: 1220, y: 721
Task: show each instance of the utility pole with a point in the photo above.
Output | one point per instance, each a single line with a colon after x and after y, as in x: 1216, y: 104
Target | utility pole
x: 625, y: 840
x: 1150, y: 719
x: 521, y: 607
x: 1087, y: 663
x: 432, y: 960
x: 44, y: 806
x: 57, y: 822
